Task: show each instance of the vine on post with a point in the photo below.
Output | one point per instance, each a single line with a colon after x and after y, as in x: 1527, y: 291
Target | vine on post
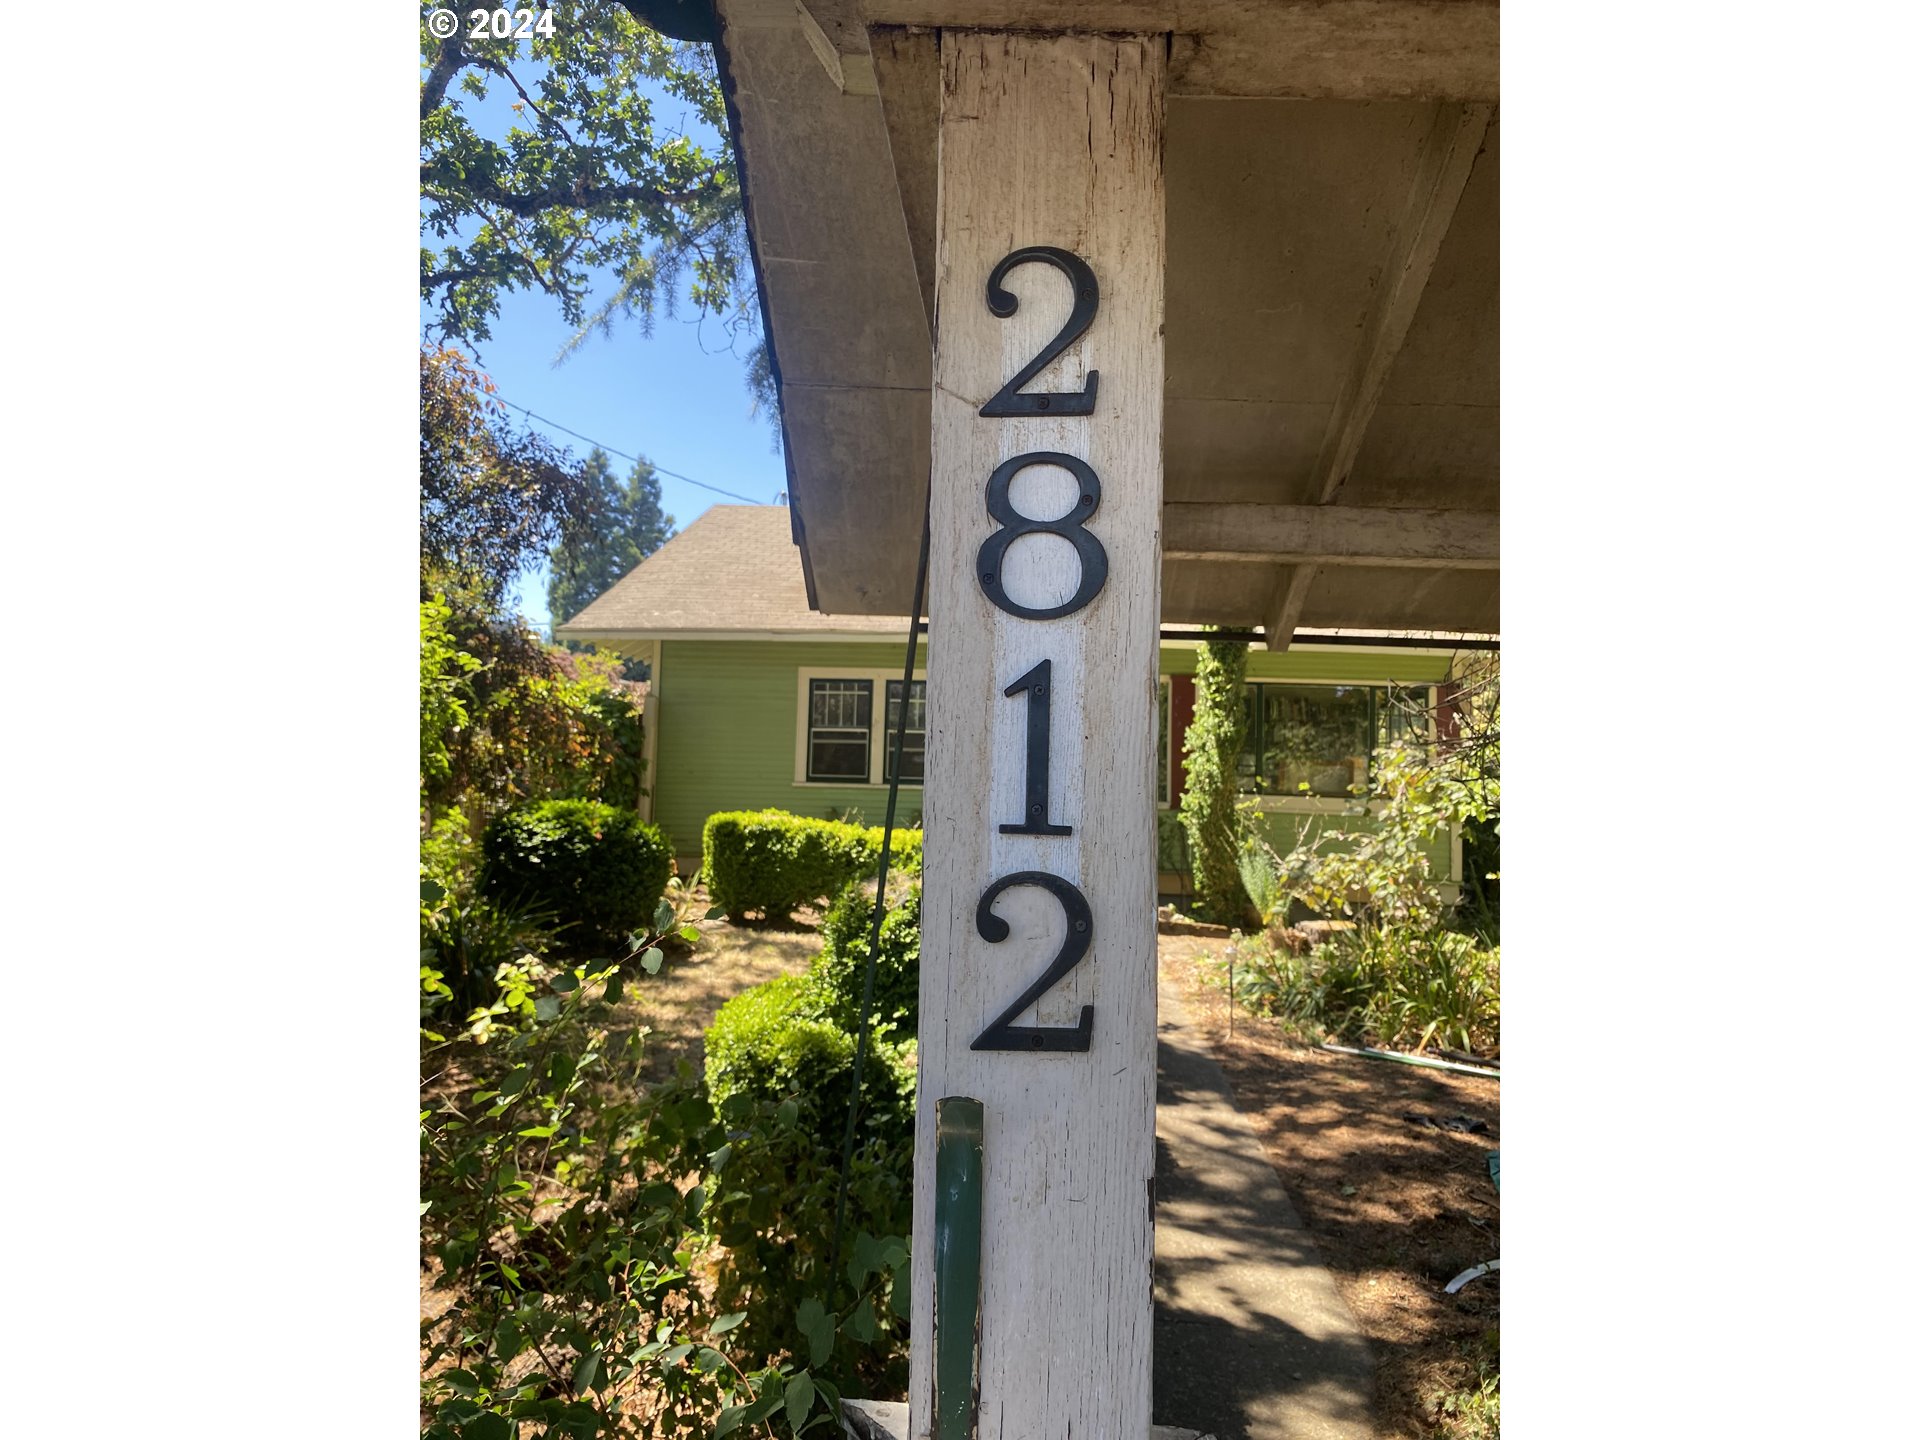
x: 1208, y: 808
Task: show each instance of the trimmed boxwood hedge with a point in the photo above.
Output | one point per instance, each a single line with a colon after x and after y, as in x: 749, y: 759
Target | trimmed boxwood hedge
x: 773, y: 862
x: 599, y: 870
x: 839, y: 972
x: 778, y: 1040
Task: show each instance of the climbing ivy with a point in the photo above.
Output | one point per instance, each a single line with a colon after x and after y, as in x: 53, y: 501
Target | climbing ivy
x: 1208, y: 807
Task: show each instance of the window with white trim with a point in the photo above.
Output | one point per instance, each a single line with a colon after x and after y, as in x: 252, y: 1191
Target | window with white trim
x: 843, y: 727
x: 913, y: 745
x: 1323, y: 739
x: 839, y: 730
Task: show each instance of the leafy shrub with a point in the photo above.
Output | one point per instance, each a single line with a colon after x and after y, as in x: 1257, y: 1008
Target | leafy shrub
x: 777, y: 1041
x: 773, y: 862
x: 506, y: 719
x: 772, y: 1214
x: 839, y: 973
x: 566, y: 1209
x: 1389, y: 987
x: 772, y: 1051
x: 464, y: 941
x: 599, y: 869
x: 1262, y: 877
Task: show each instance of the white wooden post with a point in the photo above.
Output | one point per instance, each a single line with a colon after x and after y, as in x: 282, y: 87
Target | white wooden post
x: 1046, y: 141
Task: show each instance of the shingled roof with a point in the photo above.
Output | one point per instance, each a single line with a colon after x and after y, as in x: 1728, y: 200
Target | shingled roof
x: 734, y: 570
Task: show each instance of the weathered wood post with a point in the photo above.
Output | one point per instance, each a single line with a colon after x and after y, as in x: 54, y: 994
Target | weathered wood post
x: 1038, y: 954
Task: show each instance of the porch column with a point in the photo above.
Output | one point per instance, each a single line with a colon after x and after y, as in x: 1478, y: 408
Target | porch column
x: 1037, y: 988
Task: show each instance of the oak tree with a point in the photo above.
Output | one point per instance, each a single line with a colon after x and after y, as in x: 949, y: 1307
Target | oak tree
x: 585, y: 180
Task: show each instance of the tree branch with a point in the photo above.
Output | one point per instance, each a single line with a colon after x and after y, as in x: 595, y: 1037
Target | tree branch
x: 494, y: 68
x: 448, y: 63
x: 579, y: 195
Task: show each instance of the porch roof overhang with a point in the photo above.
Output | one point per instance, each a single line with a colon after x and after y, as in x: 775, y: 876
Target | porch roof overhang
x: 1332, y: 339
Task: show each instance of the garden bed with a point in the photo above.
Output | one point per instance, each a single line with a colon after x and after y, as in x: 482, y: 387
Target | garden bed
x: 1398, y: 1208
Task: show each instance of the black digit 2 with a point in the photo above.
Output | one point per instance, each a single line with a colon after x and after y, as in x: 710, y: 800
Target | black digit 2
x: 1071, y: 527
x: 1002, y: 1034
x: 1086, y: 304
x: 1039, y: 752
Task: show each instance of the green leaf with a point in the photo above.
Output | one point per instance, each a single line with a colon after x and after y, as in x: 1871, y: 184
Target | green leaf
x: 587, y: 1372
x: 566, y: 982
x: 489, y: 1425
x: 789, y: 1113
x: 709, y: 1360
x: 662, y: 917
x: 508, y: 1341
x: 768, y: 1402
x: 432, y: 890
x: 718, y: 912
x: 902, y: 1297
x: 818, y: 1327
x: 861, y: 1322
x: 727, y: 1322
x: 799, y: 1398
x: 690, y: 934
x: 696, y: 1201
x: 718, y: 1159
x: 651, y: 961
x: 866, y: 1259
x: 616, y: 986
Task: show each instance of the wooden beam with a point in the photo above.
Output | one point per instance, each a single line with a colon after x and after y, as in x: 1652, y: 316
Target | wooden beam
x: 1446, y: 162
x: 1288, y: 601
x: 1332, y: 535
x: 1039, y: 799
x: 841, y: 49
x: 1440, y: 178
x: 906, y: 70
x: 1282, y: 49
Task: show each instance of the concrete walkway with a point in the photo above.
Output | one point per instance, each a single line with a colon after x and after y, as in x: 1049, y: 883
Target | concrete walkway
x: 1251, y: 1340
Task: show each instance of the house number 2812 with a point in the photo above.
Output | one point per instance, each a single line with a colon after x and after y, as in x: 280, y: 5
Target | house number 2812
x: 1036, y: 684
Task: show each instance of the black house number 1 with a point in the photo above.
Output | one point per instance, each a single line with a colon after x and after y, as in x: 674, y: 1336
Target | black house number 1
x: 1037, y: 684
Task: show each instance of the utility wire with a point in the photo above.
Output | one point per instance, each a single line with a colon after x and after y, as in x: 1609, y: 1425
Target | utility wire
x: 659, y: 469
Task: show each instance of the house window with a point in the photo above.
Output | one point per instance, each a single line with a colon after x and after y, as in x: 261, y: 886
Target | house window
x: 844, y: 728
x: 839, y: 729
x: 1322, y: 739
x: 913, y: 749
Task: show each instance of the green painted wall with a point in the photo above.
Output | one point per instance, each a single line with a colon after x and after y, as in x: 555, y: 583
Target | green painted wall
x: 726, y: 711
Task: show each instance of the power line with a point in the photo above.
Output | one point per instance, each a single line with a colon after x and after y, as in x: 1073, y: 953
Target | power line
x: 660, y: 469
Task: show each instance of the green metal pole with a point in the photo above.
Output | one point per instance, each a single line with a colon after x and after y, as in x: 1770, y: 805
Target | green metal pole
x: 958, y: 1130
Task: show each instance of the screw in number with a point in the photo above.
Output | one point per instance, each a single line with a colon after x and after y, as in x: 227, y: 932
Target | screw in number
x: 442, y: 23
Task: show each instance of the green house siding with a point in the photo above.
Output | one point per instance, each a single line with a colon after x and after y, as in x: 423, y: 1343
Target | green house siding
x: 727, y: 712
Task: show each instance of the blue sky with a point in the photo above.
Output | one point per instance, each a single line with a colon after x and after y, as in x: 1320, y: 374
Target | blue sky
x: 679, y: 397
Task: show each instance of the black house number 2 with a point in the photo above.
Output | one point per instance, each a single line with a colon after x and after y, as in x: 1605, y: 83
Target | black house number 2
x: 1037, y: 684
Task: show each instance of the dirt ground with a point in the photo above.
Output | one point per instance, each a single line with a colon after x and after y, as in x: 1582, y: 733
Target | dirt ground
x: 679, y: 1003
x: 1397, y: 1208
